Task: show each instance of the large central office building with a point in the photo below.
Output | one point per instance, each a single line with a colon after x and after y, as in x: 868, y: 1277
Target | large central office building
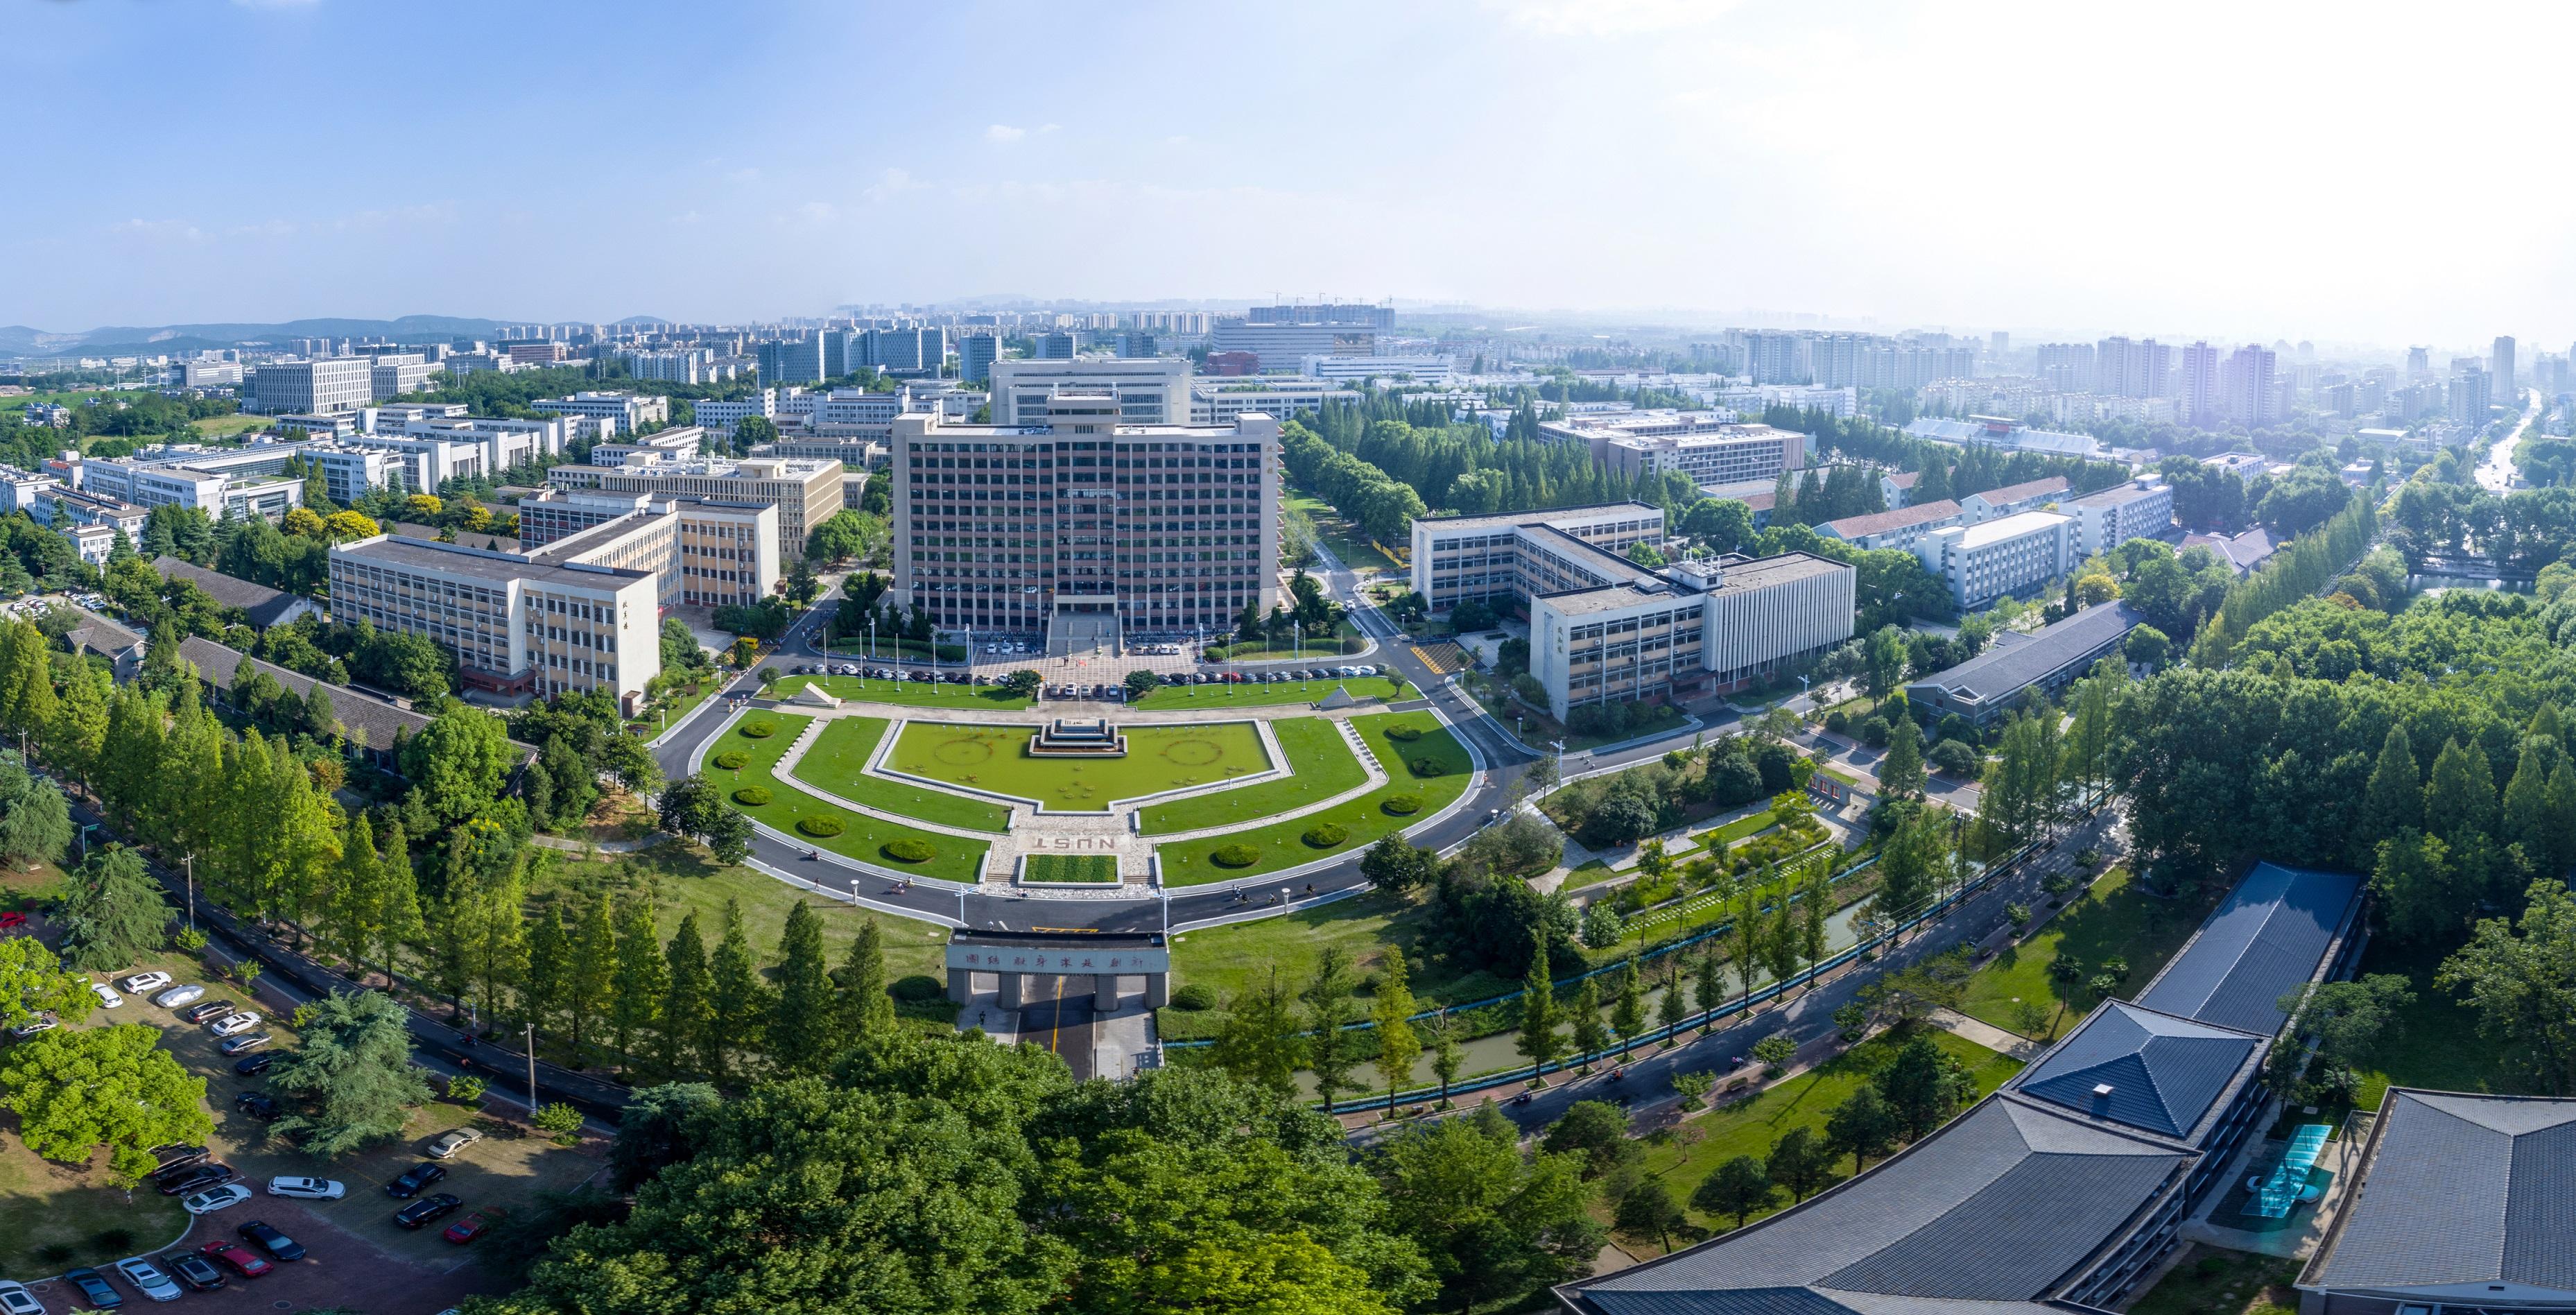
x: 1160, y: 529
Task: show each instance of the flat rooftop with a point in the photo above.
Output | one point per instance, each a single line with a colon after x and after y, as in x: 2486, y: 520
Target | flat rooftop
x: 430, y: 555
x: 2011, y: 527
x: 1500, y: 520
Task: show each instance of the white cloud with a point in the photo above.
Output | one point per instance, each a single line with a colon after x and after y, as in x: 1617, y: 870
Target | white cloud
x: 1608, y: 18
x: 160, y: 230
x: 687, y: 217
x: 1004, y: 134
x: 744, y: 175
x: 891, y: 183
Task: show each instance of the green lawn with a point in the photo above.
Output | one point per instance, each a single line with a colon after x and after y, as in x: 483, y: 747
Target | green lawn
x: 904, y: 693
x: 1266, y: 695
x: 1737, y: 829
x: 1309, y: 648
x: 1801, y: 1102
x: 1591, y: 873
x: 2214, y: 1281
x: 2433, y: 1043
x: 1233, y: 958
x: 997, y: 758
x: 1072, y: 869
x: 1320, y: 765
x: 679, y: 704
x: 841, y: 750
x: 45, y: 1205
x: 1342, y: 537
x: 2111, y: 920
x: 1281, y: 844
x: 861, y: 836
x: 227, y: 426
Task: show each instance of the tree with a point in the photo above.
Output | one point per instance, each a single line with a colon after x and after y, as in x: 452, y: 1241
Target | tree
x: 1391, y: 1011
x: 2460, y: 795
x: 1596, y: 1131
x: 1260, y: 1041
x: 1539, y: 1042
x: 1884, y: 656
x: 35, y: 820
x: 1591, y: 1035
x: 1900, y: 773
x: 1628, y: 1013
x: 353, y: 1073
x: 541, y: 987
x: 592, y: 973
x: 1738, y: 1187
x: 735, y: 993
x: 692, y: 806
x: 688, y: 1013
x: 2419, y: 899
x: 1920, y: 1087
x: 112, y: 912
x: 2520, y: 975
x: 1330, y: 1053
x: 457, y: 761
x: 865, y: 1010
x: 1392, y: 864
x: 1670, y: 1008
x: 1862, y: 1126
x: 2147, y: 647
x: 643, y: 979
x: 803, y: 1036
x: 1492, y: 1222
x: 1289, y: 1274
x: 1775, y: 1051
x: 1908, y: 864
x: 74, y: 1090
x: 399, y: 906
x: 2345, y: 1021
x: 1798, y: 1162
x: 1647, y: 1210
x: 652, y: 1131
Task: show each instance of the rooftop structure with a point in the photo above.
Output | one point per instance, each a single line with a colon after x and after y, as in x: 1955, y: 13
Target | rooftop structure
x: 1897, y: 528
x: 264, y: 606
x: 1986, y: 686
x: 805, y: 491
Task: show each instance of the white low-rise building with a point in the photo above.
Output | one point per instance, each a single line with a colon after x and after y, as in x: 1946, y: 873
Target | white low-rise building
x: 1420, y: 369
x: 2009, y: 555
x: 2139, y: 509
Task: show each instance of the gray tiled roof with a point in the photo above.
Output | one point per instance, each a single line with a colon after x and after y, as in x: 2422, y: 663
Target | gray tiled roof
x: 265, y: 606
x: 1880, y: 522
x: 2461, y: 1189
x: 2007, y: 668
x: 2164, y: 1072
x: 1998, y: 1206
x: 370, y: 721
x: 2269, y: 936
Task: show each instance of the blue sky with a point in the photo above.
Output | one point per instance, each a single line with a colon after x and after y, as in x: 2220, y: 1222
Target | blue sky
x: 2229, y: 170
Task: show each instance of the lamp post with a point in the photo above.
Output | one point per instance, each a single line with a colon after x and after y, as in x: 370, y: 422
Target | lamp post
x: 532, y: 1070
x: 189, y: 862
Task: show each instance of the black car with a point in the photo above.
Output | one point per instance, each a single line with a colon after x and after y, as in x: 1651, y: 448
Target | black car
x: 427, y: 1208
x: 94, y: 1288
x: 271, y: 1241
x: 210, y: 1009
x: 212, y: 1173
x: 257, y: 1106
x: 413, y: 1179
x: 192, y: 1269
x: 169, y: 1151
x: 180, y: 1159
x: 255, y: 1065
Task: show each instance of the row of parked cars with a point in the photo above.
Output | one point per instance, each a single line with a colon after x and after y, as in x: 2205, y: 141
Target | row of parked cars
x: 211, y: 1186
x: 886, y: 673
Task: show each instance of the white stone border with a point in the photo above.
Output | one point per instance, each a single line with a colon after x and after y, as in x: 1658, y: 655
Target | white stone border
x: 1037, y: 808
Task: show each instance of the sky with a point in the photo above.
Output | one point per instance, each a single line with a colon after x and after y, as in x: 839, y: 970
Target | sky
x: 2339, y: 173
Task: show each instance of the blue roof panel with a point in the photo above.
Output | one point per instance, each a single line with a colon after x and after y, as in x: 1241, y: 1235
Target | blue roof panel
x: 2268, y: 936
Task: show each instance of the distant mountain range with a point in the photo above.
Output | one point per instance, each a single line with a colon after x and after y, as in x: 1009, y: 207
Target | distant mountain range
x: 127, y: 340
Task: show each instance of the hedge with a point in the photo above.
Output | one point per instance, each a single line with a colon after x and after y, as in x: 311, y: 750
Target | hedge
x: 916, y: 988
x: 754, y: 795
x: 1325, y: 835
x: 1426, y: 767
x: 1235, y: 856
x: 909, y: 850
x: 1194, y: 997
x: 1405, y: 733
x: 732, y: 760
x: 759, y: 730
x: 821, y: 828
x: 1402, y: 805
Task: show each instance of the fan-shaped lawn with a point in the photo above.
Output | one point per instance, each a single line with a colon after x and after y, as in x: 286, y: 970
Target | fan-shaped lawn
x: 907, y: 693
x: 1281, y: 844
x: 1159, y: 757
x: 837, y: 760
x: 959, y: 859
x: 1320, y: 765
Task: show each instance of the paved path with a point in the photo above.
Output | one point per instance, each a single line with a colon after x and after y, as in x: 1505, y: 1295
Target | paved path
x: 1985, y: 1034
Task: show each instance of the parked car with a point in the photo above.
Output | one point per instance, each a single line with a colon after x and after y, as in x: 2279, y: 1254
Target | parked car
x: 202, y: 1178
x: 210, y: 1009
x: 179, y: 995
x: 44, y: 1021
x: 234, y: 1024
x: 142, y: 982
x: 237, y: 1258
x: 257, y: 1105
x: 208, y: 1202
x: 12, y: 920
x: 268, y: 1239
x: 413, y: 1179
x: 256, y: 1064
x: 194, y: 1271
x: 148, y: 1280
x: 245, y: 1043
x: 467, y: 1229
x: 420, y: 1212
x: 94, y: 1288
x: 15, y: 1299
x: 308, y: 1189
x: 176, y: 1156
x: 453, y: 1140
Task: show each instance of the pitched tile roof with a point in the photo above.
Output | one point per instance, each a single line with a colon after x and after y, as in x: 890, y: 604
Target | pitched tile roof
x: 2164, y: 1073
x: 2035, y: 488
x: 2268, y: 936
x: 2460, y: 1189
x: 265, y: 606
x: 1880, y: 522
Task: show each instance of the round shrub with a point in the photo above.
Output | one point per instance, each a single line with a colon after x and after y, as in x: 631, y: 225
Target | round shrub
x: 910, y: 850
x: 1325, y: 835
x: 753, y: 795
x: 1354, y: 644
x: 759, y: 730
x: 1427, y: 767
x: 821, y: 828
x: 915, y: 988
x: 1404, y: 734
x: 1873, y: 732
x: 1838, y: 722
x: 732, y: 760
x: 1235, y: 856
x: 1402, y: 805
x: 1194, y: 997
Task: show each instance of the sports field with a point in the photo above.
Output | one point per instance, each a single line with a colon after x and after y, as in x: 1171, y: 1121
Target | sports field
x: 997, y: 759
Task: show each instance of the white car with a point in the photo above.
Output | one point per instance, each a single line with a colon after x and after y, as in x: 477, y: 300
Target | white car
x: 235, y: 1024
x: 180, y: 995
x: 308, y: 1189
x: 42, y: 1022
x: 214, y: 1198
x: 15, y: 1299
x: 152, y: 1282
x: 107, y: 995
x: 142, y: 982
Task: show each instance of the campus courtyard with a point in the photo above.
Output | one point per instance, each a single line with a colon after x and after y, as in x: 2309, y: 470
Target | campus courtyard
x: 996, y: 759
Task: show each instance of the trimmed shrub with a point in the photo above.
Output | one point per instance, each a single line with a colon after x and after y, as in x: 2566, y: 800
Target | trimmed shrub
x: 1427, y: 767
x: 1404, y: 734
x: 915, y: 988
x: 1235, y: 856
x: 910, y: 850
x: 1873, y: 732
x: 759, y: 730
x: 1402, y: 805
x: 1838, y: 722
x: 1354, y: 644
x: 1325, y: 835
x: 732, y: 760
x: 754, y: 795
x: 1194, y: 997
x: 821, y: 828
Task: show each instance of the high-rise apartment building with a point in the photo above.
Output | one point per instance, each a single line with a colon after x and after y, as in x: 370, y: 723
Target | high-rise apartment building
x: 325, y: 386
x: 791, y: 360
x: 976, y: 353
x: 2472, y: 397
x: 1073, y: 520
x: 2419, y: 364
x: 2199, y: 386
x: 2249, y: 387
x: 1055, y: 346
x: 2132, y: 368
x: 2066, y: 367
x: 2501, y: 366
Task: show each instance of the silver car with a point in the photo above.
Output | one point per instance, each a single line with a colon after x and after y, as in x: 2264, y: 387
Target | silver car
x: 180, y: 995
x: 151, y: 1282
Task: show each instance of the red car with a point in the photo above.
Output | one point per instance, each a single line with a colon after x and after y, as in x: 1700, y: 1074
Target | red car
x: 12, y: 921
x: 237, y: 1256
x: 467, y: 1229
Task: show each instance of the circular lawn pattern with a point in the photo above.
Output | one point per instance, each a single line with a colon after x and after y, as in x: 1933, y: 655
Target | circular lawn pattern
x: 964, y: 752
x: 1193, y: 753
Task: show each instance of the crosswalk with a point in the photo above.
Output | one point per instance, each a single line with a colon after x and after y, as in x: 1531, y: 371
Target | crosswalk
x: 1443, y: 657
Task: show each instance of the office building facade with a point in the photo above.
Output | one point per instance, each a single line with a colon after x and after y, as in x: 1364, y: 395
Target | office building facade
x: 2139, y: 509
x: 805, y: 492
x: 1149, y: 392
x: 2010, y: 555
x: 628, y: 411
x: 791, y: 361
x: 325, y: 386
x: 976, y: 353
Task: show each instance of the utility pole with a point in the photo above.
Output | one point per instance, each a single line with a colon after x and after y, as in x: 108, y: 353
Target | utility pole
x: 190, y: 863
x: 532, y: 1070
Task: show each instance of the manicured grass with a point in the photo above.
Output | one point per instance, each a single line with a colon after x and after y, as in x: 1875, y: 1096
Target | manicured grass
x: 1158, y: 758
x: 680, y: 704
x: 2213, y: 1281
x: 2113, y: 919
x: 1342, y: 537
x: 904, y: 693
x: 1800, y: 1102
x: 1738, y: 829
x: 1320, y: 765
x: 1311, y: 648
x: 687, y: 879
x: 841, y: 749
x: 1233, y: 958
x: 1071, y: 869
x: 1187, y: 863
x: 43, y: 1204
x: 226, y: 426
x: 1249, y: 695
x: 956, y: 858
x: 1591, y: 873
x: 2434, y: 1042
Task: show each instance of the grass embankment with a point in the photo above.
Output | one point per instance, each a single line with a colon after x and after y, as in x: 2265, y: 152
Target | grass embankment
x: 860, y: 836
x: 840, y: 752
x: 1234, y: 958
x: 2112, y: 920
x: 1250, y: 695
x: 1363, y: 820
x: 904, y: 693
x: 2211, y: 1281
x: 1320, y: 765
x: 1158, y: 758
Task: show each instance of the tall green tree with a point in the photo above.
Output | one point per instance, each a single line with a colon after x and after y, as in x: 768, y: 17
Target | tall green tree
x: 76, y: 1089
x: 1591, y: 1035
x: 1739, y: 1186
x: 2526, y: 820
x: 1260, y: 1041
x: 643, y: 980
x: 803, y: 1037
x: 400, y: 922
x: 2460, y: 794
x: 592, y: 973
x: 2520, y: 976
x: 1392, y: 1012
x: 1628, y: 1013
x: 1798, y: 1162
x: 35, y: 819
x: 1539, y: 1043
x: 353, y: 1074
x: 1331, y: 1052
x: 541, y: 987
x: 1493, y: 1222
x: 865, y: 1010
x: 688, y: 1011
x: 1862, y: 1126
x: 1900, y: 772
x: 2395, y: 796
x: 737, y: 994
x: 112, y: 913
